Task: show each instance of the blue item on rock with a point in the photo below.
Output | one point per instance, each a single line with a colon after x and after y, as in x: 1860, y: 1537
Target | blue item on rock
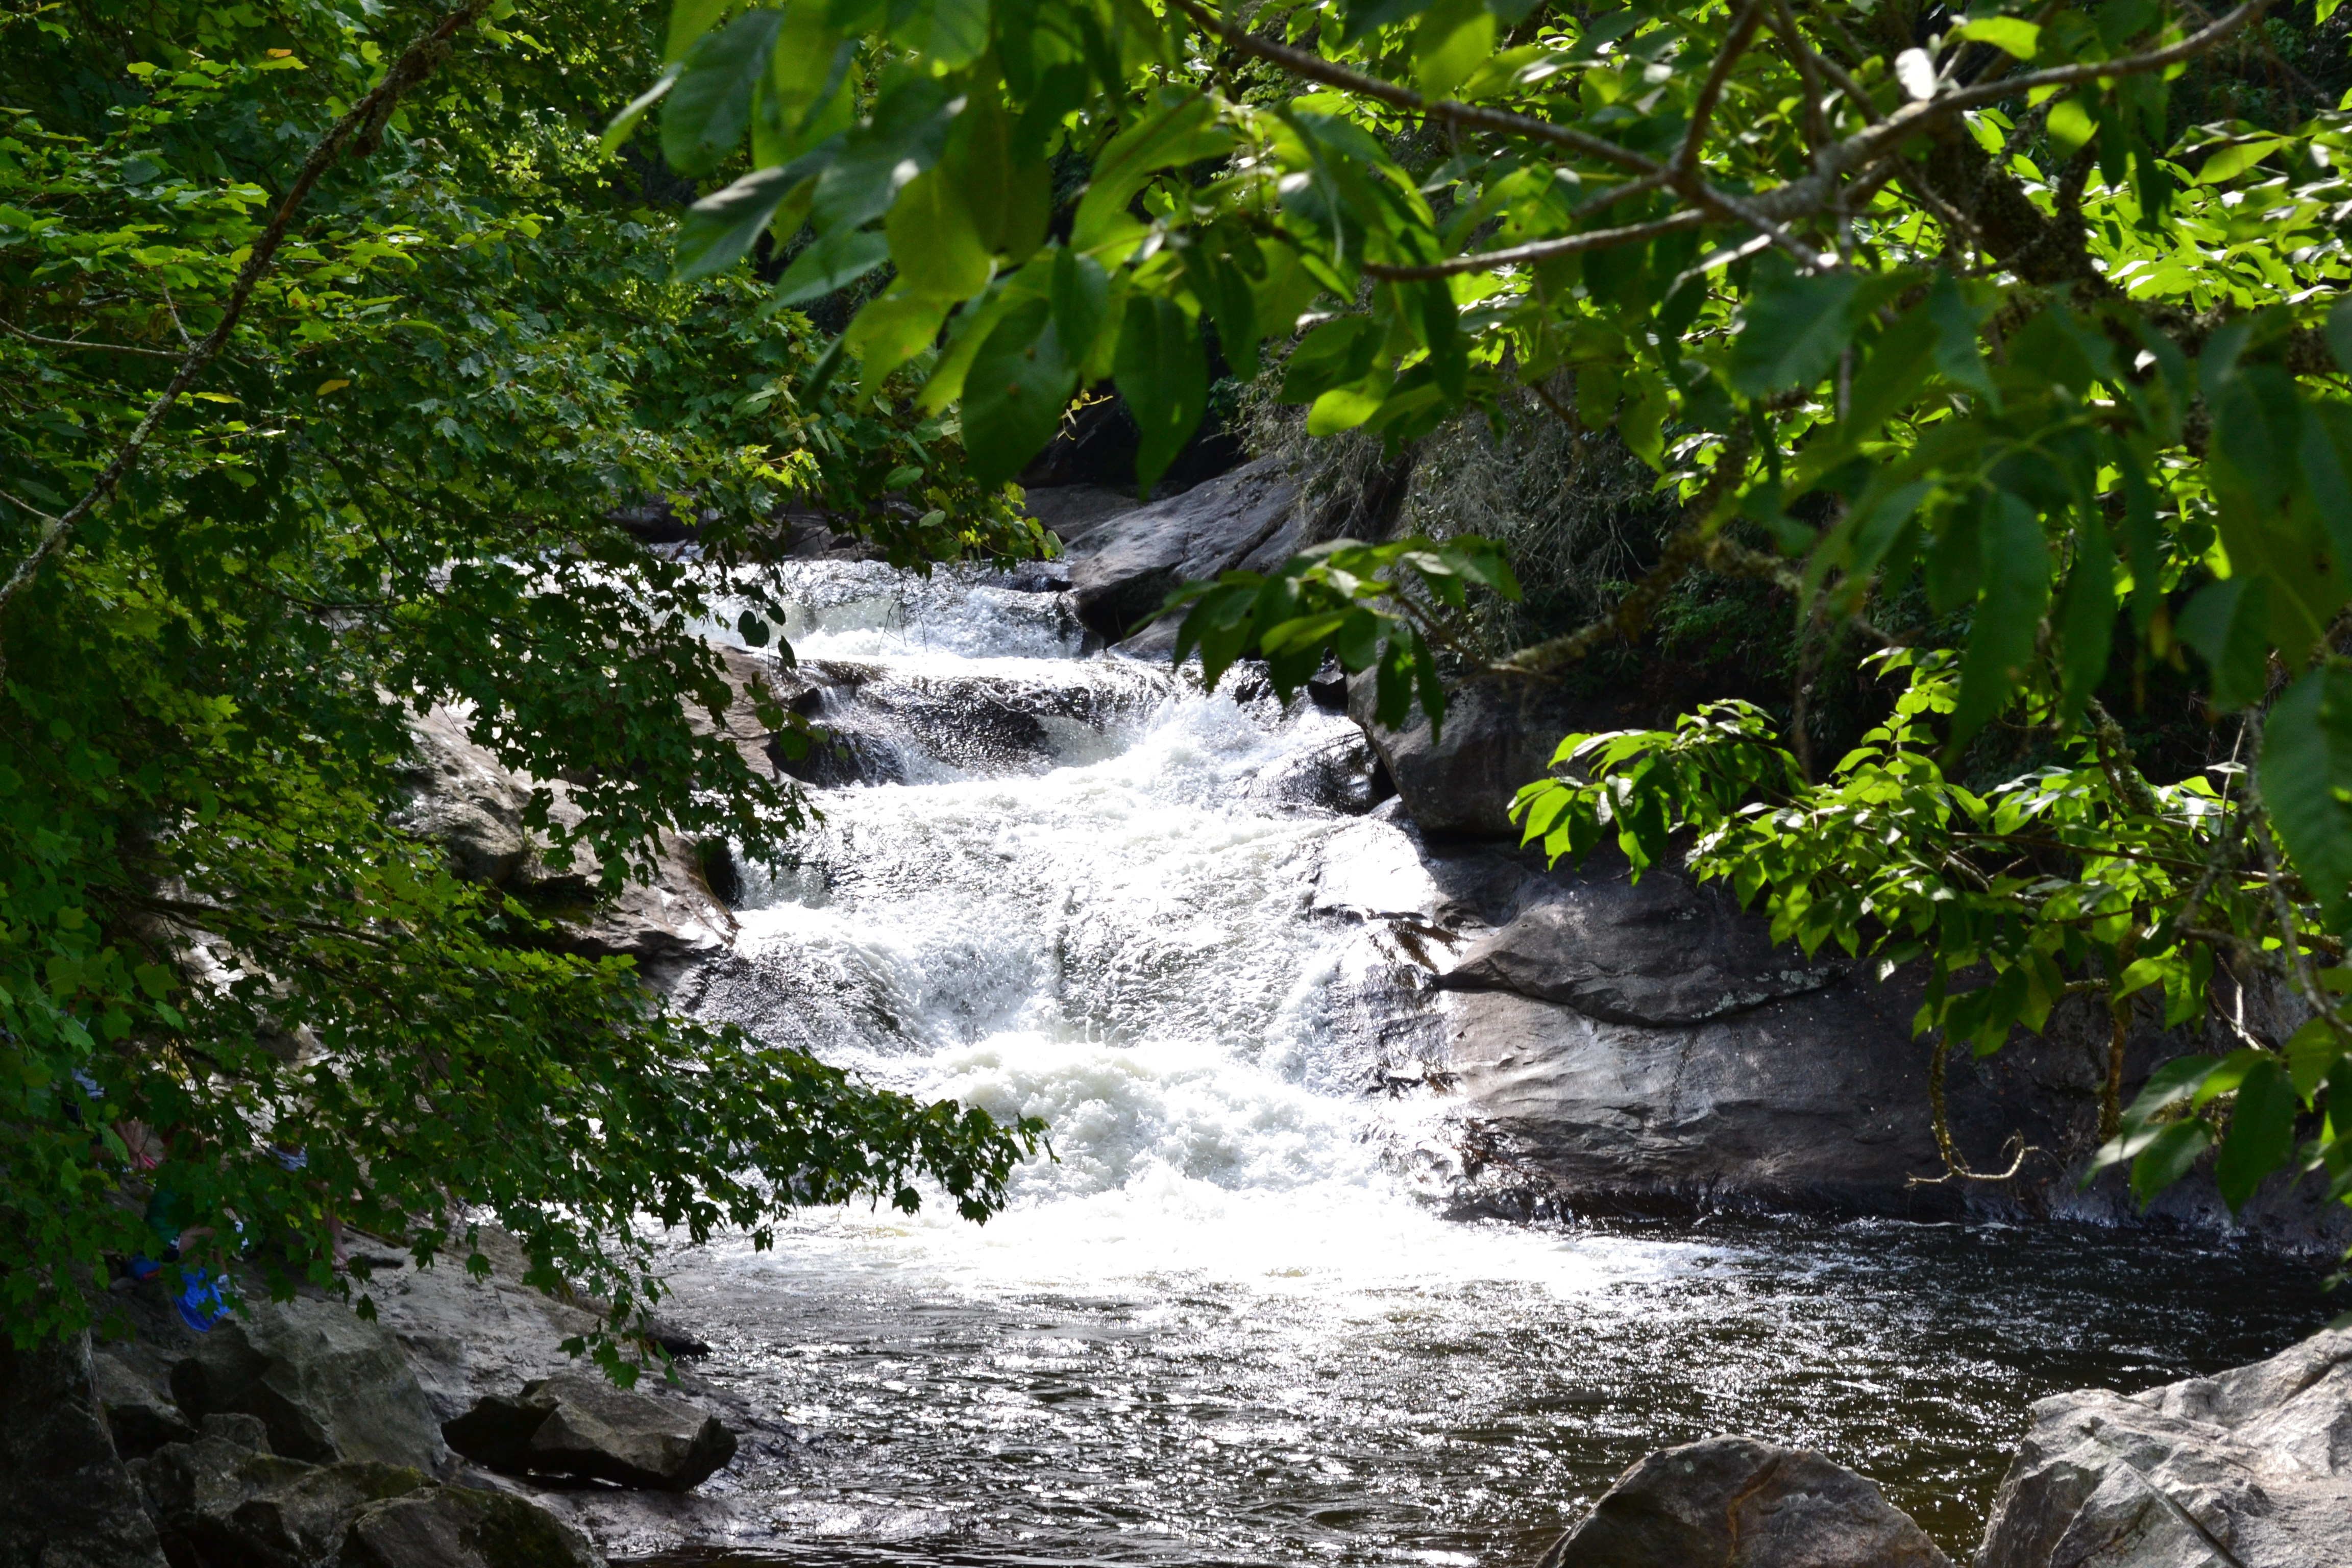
x: 200, y: 1304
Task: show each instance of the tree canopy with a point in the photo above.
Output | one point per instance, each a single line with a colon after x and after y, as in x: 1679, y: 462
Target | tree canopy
x: 335, y: 354
x: 2036, y: 311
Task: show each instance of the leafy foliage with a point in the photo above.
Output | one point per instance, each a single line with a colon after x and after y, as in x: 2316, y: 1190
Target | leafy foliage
x: 1966, y: 302
x: 403, y: 483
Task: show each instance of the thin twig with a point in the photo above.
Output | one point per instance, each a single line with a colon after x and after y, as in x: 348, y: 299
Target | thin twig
x: 1538, y: 250
x: 15, y: 331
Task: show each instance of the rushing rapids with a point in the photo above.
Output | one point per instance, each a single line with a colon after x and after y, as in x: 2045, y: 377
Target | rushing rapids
x: 1228, y: 1318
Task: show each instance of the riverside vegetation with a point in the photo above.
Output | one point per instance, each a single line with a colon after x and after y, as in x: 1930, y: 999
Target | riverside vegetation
x: 340, y: 367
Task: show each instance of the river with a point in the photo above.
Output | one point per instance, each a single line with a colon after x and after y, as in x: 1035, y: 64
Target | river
x: 1228, y: 1320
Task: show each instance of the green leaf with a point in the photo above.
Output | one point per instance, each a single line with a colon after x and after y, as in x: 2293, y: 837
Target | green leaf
x: 1163, y: 373
x: 689, y: 20
x: 1184, y: 129
x: 711, y: 107
x: 2306, y: 778
x: 2232, y: 161
x: 1337, y: 353
x: 1014, y: 394
x: 2015, y: 572
x: 1958, y: 358
x: 2261, y: 1135
x: 2229, y: 624
x: 1796, y: 327
x: 2071, y: 125
x: 2011, y: 34
x: 1363, y: 16
x: 1081, y: 297
x: 1454, y: 38
x: 950, y: 33
x: 890, y: 330
x: 624, y: 123
x: 1884, y: 384
x: 2168, y: 1157
x: 834, y: 260
x: 718, y: 230
x: 1010, y: 198
x: 934, y: 243
x: 2086, y: 619
x: 2311, y: 1052
x: 906, y: 136
x: 2340, y: 333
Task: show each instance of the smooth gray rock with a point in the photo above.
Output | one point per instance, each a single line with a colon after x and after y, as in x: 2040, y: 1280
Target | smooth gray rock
x: 140, y: 1416
x: 327, y: 1385
x: 2249, y: 1469
x: 577, y: 1424
x: 66, y: 1499
x: 223, y: 1503
x: 1497, y: 736
x: 1660, y: 952
x: 464, y: 799
x: 453, y: 1527
x: 1123, y: 567
x: 1733, y: 1503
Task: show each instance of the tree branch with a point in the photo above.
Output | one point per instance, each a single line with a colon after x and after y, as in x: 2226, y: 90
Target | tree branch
x: 366, y: 121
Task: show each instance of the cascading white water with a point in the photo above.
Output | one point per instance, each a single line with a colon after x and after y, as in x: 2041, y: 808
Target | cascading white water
x: 1226, y: 1322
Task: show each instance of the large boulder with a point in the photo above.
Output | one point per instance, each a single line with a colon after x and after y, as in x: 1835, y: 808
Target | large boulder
x: 1123, y: 567
x: 576, y: 1423
x: 326, y: 1384
x: 1661, y: 952
x: 2251, y: 1470
x: 450, y: 1527
x: 1497, y: 735
x: 140, y: 1415
x: 66, y: 1500
x: 227, y: 1505
x: 1733, y: 1503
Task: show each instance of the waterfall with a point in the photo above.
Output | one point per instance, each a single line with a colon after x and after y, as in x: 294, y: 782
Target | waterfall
x: 1227, y: 1319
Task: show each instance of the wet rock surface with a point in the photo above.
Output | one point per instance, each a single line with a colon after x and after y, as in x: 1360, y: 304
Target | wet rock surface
x: 886, y: 726
x: 450, y: 1527
x: 1738, y: 1503
x: 1124, y: 566
x: 66, y: 1500
x: 2251, y: 1469
x: 576, y: 1423
x: 1497, y: 735
x: 1660, y: 952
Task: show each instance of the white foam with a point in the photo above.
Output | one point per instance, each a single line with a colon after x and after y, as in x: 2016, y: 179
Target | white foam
x: 1127, y: 946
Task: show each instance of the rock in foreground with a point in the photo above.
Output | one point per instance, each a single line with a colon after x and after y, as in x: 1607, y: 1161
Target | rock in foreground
x: 444, y: 1527
x: 576, y: 1423
x: 1739, y: 1503
x: 2250, y: 1469
x: 66, y: 1502
x: 327, y: 1384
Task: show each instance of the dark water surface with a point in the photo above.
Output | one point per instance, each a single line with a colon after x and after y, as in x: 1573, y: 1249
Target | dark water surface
x: 1176, y: 1421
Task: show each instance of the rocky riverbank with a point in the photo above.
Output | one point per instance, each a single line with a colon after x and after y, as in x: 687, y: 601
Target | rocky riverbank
x: 2249, y: 1469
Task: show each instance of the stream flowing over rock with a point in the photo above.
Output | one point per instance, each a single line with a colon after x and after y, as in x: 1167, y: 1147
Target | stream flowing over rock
x: 2250, y: 1469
